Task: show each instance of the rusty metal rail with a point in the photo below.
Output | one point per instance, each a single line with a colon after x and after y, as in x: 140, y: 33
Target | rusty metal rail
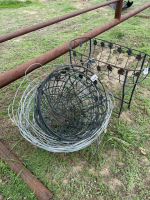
x: 40, y: 191
x: 19, y: 71
x: 29, y: 29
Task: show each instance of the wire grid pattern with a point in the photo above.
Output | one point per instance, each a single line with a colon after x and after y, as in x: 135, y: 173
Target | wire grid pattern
x: 119, y: 68
x: 116, y: 61
x: 70, y: 104
x: 23, y: 115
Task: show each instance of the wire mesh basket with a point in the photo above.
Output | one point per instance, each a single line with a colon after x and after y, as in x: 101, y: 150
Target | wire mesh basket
x: 62, y: 111
x: 120, y: 64
x: 71, y: 103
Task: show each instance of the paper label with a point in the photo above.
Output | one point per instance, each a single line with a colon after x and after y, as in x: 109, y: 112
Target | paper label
x: 145, y: 71
x: 94, y: 77
x: 92, y: 60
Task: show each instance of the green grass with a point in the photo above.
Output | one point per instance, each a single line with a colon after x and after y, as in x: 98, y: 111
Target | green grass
x: 116, y: 171
x: 15, y: 3
x: 16, y: 188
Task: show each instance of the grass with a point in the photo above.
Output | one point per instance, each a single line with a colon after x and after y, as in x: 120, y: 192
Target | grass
x: 16, y: 188
x: 116, y: 171
x: 14, y: 3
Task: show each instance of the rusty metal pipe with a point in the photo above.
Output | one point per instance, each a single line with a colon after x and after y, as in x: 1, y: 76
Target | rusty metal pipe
x: 40, y: 191
x: 23, y: 31
x: 118, y: 9
x: 19, y: 71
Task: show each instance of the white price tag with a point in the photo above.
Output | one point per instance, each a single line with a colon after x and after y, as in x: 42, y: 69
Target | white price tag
x: 92, y: 60
x: 145, y: 71
x: 94, y: 77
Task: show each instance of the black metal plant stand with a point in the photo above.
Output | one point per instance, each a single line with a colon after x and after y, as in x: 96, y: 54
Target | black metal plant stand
x: 122, y: 65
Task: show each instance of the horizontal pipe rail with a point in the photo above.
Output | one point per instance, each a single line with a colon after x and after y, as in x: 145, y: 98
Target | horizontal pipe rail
x: 40, y: 191
x: 29, y: 29
x: 19, y: 71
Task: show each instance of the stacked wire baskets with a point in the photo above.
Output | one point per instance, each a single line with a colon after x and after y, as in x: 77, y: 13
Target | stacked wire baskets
x: 119, y: 68
x: 62, y: 111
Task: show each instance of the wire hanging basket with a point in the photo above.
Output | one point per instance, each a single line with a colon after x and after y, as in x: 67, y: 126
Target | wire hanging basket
x: 70, y: 104
x: 63, y: 111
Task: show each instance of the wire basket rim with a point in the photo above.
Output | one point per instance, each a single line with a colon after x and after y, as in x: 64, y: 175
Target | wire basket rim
x: 90, y: 38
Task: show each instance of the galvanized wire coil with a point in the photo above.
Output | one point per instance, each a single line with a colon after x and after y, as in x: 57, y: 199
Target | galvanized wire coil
x: 22, y: 113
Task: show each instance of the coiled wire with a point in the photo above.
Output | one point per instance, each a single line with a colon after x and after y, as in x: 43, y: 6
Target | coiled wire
x: 22, y: 115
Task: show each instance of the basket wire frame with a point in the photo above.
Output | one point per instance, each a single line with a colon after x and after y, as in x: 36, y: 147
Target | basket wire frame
x: 70, y: 104
x: 22, y: 114
x: 122, y: 65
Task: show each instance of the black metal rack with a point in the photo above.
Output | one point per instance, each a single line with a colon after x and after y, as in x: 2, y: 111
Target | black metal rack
x: 125, y: 66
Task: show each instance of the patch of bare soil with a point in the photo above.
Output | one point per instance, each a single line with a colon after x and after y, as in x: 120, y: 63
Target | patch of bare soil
x: 1, y: 197
x: 149, y: 170
x: 18, y: 39
x: 105, y: 171
x: 87, y: 3
x: 126, y: 116
x: 121, y: 163
x: 145, y: 160
x: 75, y: 169
x: 114, y: 184
x: 65, y: 181
x: 33, y: 12
x: 147, y: 179
x: 146, y: 93
x: 64, y: 24
x: 78, y: 168
x: 92, y: 170
x: 112, y: 156
x: 82, y: 4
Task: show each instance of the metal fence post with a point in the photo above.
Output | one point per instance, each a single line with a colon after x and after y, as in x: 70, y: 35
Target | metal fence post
x: 118, y: 9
